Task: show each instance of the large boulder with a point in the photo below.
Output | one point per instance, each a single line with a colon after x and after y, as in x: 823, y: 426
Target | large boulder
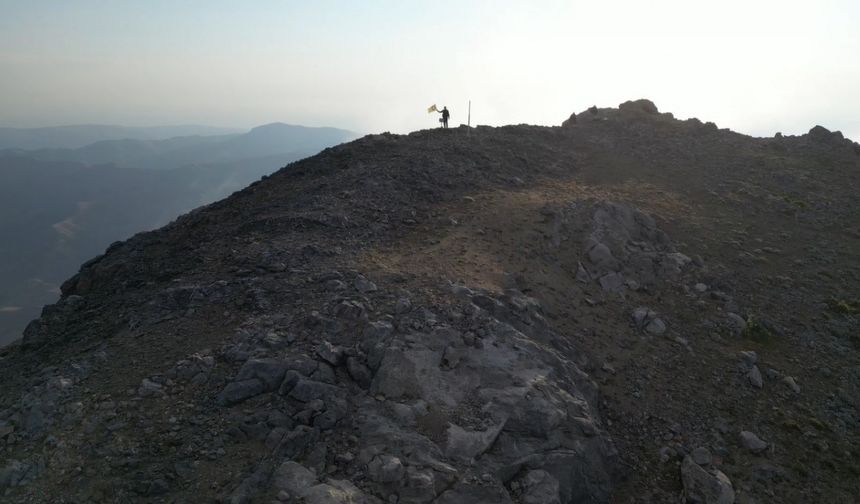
x: 824, y: 135
x: 236, y: 392
x: 269, y: 371
x: 641, y: 106
x: 704, y: 487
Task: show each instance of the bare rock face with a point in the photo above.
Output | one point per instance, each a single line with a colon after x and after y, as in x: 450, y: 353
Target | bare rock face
x: 528, y: 397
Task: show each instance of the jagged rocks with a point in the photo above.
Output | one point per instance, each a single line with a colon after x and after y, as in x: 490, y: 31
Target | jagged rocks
x: 270, y: 372
x: 630, y: 113
x: 704, y: 487
x: 621, y: 246
x: 331, y: 354
x: 748, y: 365
x: 407, y: 373
x: 237, y: 392
x: 256, y: 377
x: 291, y: 378
x: 419, y: 486
x: 474, y: 494
x: 17, y: 473
x: 296, y: 442
x: 49, y: 325
x: 359, y: 372
x: 336, y: 492
x: 601, y: 256
x: 465, y: 445
x: 385, y: 469
x: 823, y: 135
x: 752, y: 442
x: 640, y: 106
x: 149, y: 388
x: 350, y: 311
x: 293, y: 478
x: 251, y: 485
x: 791, y: 383
x: 287, y: 376
x: 656, y: 326
x: 306, y: 390
x: 427, y: 379
x: 539, y: 487
x: 364, y: 285
x: 749, y: 357
x: 737, y: 323
x: 612, y: 282
x: 5, y: 429
x: 520, y: 416
x: 701, y: 456
x: 755, y: 378
x: 570, y: 121
x: 335, y: 409
x: 196, y: 369
x: 294, y: 481
x: 647, y: 320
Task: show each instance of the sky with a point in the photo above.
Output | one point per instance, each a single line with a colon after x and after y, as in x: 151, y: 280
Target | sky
x: 755, y: 66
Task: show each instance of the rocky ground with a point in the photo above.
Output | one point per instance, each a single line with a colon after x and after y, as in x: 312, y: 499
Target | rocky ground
x: 627, y: 308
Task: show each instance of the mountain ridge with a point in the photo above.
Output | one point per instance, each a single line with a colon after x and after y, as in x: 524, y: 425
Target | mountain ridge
x: 79, y: 135
x: 608, y: 311
x: 267, y: 140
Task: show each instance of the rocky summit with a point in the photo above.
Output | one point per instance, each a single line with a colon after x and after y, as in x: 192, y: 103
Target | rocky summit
x: 627, y: 308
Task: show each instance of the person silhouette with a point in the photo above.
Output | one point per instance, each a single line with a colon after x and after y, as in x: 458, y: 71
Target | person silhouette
x: 445, y: 116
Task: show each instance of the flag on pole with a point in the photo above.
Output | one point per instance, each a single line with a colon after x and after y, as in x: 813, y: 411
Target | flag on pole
x: 432, y: 109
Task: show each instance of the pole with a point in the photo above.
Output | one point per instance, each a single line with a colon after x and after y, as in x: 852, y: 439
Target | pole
x: 469, y: 120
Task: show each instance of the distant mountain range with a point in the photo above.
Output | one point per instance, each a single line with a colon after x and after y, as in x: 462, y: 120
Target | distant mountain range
x: 72, y: 137
x: 61, y: 206
x: 268, y: 140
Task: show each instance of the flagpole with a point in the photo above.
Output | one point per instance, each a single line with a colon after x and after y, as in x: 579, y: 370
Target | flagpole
x: 469, y: 120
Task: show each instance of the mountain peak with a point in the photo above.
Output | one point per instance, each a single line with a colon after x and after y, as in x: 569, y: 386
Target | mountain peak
x: 281, y: 126
x: 275, y: 125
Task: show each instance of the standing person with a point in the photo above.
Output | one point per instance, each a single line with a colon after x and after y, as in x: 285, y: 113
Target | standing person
x: 445, y: 116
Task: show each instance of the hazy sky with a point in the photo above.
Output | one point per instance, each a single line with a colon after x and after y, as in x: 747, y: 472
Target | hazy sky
x: 756, y: 66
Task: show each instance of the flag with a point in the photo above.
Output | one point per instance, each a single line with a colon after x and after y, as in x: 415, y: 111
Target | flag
x: 432, y: 109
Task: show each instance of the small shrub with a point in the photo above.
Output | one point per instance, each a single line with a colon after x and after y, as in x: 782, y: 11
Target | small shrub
x: 844, y: 306
x: 755, y: 331
x: 796, y: 202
